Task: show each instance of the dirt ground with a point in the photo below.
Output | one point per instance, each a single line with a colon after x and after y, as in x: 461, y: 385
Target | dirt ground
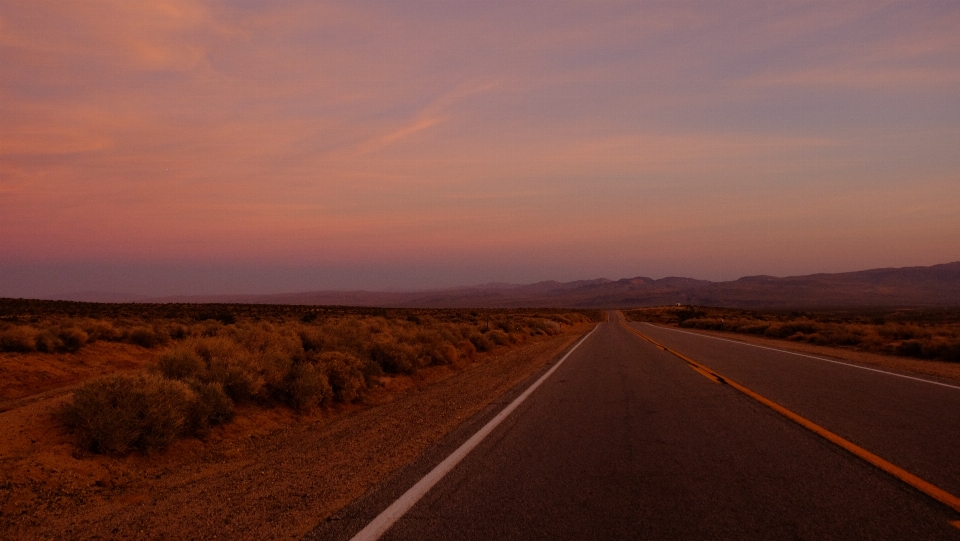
x: 271, y: 474
x: 27, y: 374
x: 904, y: 364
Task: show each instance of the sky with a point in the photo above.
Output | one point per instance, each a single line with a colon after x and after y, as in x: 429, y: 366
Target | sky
x: 169, y: 147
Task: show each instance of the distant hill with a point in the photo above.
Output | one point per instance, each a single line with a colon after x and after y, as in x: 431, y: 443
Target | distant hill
x: 938, y: 285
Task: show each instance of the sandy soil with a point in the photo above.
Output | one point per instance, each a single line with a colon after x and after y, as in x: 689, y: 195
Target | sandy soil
x: 903, y: 364
x: 25, y: 375
x: 268, y: 475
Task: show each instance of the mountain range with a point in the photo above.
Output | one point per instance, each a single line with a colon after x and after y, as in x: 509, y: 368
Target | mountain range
x: 937, y: 285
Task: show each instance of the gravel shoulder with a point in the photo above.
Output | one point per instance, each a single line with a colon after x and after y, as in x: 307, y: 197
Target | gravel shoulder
x: 269, y: 475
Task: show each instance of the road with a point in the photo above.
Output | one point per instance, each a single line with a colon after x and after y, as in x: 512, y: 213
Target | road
x: 626, y: 441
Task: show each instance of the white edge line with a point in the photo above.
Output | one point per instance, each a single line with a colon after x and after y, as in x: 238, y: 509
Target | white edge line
x: 397, y: 509
x: 808, y: 356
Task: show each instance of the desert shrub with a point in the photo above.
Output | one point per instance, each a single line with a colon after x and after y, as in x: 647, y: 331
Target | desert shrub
x: 280, y: 358
x: 143, y: 336
x: 208, y: 328
x: 48, y: 342
x: 842, y: 337
x: 211, y: 407
x: 215, y: 360
x: 480, y: 342
x: 776, y: 331
x: 219, y: 314
x: 345, y: 373
x: 210, y: 348
x: 307, y: 387
x: 450, y: 353
x: 98, y: 329
x: 72, y: 339
x: 949, y: 352
x: 20, y: 338
x: 792, y: 328
x: 311, y: 339
x: 754, y: 328
x: 265, y: 338
x: 181, y: 363
x: 275, y: 367
x: 393, y: 358
x: 238, y: 376
x: 176, y: 331
x: 121, y: 413
x: 351, y: 334
x: 702, y: 323
x: 467, y: 350
x: 499, y: 337
x: 909, y: 348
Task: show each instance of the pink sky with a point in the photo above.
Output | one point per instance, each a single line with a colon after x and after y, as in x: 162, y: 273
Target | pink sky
x: 182, y: 146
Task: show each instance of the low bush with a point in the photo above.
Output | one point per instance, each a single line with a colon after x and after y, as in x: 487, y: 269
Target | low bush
x: 480, y: 342
x: 499, y: 338
x: 19, y: 339
x: 467, y: 350
x: 120, y: 413
x: 306, y: 387
x: 181, y: 362
x: 48, y: 342
x: 211, y: 407
x: 72, y: 339
x: 345, y: 373
x: 146, y: 337
x: 393, y: 357
x: 98, y: 329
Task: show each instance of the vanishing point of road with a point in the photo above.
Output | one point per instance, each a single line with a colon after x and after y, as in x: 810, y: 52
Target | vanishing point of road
x: 626, y: 440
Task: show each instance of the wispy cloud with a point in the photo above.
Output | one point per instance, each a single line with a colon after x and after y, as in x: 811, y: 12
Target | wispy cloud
x: 436, y: 112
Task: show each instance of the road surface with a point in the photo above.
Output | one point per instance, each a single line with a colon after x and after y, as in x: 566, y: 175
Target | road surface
x: 626, y: 441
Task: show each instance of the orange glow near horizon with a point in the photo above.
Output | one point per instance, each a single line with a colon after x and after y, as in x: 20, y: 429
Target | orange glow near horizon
x: 455, y: 143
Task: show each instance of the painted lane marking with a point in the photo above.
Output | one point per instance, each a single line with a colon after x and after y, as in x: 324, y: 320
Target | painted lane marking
x: 810, y: 357
x: 927, y: 488
x: 397, y: 509
x: 703, y: 373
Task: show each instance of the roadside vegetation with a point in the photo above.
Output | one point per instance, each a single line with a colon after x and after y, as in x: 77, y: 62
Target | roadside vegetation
x: 919, y: 333
x: 209, y: 359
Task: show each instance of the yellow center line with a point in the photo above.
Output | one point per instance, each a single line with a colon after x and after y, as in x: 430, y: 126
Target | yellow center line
x: 704, y: 373
x: 929, y: 489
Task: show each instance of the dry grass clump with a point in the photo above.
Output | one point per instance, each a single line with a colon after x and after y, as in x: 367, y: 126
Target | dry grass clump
x: 925, y: 334
x: 210, y: 367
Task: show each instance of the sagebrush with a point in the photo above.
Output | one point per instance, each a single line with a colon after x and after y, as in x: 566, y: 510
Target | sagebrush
x: 206, y: 368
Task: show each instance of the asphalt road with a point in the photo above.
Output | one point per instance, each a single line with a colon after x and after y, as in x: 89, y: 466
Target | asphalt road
x: 626, y: 441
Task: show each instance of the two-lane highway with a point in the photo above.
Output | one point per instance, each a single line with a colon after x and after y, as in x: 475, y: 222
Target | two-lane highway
x: 626, y: 441
x: 912, y: 421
